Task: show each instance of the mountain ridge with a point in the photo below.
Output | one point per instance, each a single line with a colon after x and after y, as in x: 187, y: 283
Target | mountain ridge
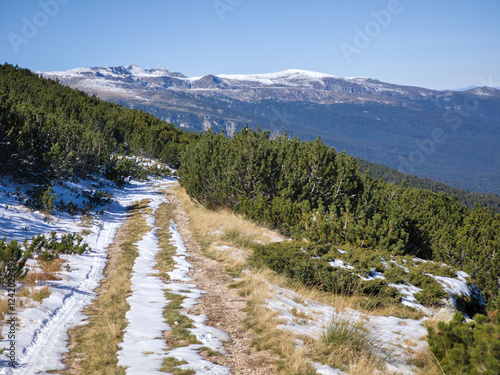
x: 289, y: 77
x: 381, y: 122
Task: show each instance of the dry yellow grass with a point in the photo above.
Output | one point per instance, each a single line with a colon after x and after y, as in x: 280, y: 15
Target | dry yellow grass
x: 164, y: 261
x: 35, y: 293
x: 40, y: 294
x: 53, y: 266
x: 179, y: 323
x: 94, y: 345
x: 297, y: 358
x: 47, y: 272
x: 29, y: 292
x: 264, y: 323
x: 211, y: 229
x: 23, y: 299
x: 210, y: 226
x: 348, y: 345
x: 425, y: 362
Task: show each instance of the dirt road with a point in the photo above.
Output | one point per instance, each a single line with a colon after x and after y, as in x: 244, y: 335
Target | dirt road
x: 222, y: 305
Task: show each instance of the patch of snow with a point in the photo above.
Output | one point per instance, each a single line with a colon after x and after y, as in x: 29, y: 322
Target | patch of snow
x: 419, y: 260
x: 208, y: 336
x: 273, y: 237
x: 452, y: 286
x: 340, y: 264
x: 372, y: 275
x: 408, y: 299
x: 399, y: 265
x: 236, y: 253
x: 482, y: 91
x: 42, y: 330
x: 196, y: 362
x: 143, y: 346
x: 326, y: 370
x: 392, y: 335
x: 283, y: 77
x: 463, y: 276
x: 182, y: 266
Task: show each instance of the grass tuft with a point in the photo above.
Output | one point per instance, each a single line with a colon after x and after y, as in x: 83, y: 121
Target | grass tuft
x: 170, y: 365
x: 179, y: 335
x: 40, y: 294
x: 344, y: 330
x: 238, y: 237
x: 164, y: 260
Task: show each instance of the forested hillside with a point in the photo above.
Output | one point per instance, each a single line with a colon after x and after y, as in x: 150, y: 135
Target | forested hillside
x: 49, y: 131
x: 305, y: 189
x: 309, y: 191
x: 470, y: 199
x: 374, y: 120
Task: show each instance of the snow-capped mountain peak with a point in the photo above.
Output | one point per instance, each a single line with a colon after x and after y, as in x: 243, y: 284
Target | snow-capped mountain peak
x: 278, y: 77
x: 302, y: 84
x: 360, y: 115
x: 133, y: 72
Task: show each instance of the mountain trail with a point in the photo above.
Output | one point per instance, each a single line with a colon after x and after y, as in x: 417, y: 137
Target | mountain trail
x: 222, y: 305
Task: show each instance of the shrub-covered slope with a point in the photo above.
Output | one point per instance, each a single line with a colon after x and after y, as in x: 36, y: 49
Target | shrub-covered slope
x: 308, y: 191
x: 49, y: 131
x: 389, y: 279
x: 468, y: 198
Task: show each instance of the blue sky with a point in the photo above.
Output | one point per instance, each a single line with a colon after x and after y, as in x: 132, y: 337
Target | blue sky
x: 440, y: 44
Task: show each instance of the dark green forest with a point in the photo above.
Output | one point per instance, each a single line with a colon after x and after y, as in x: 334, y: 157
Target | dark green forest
x: 309, y: 191
x: 470, y: 199
x: 49, y: 131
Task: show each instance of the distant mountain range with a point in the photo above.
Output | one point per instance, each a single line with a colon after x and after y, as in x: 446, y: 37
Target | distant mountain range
x: 472, y: 87
x: 449, y: 136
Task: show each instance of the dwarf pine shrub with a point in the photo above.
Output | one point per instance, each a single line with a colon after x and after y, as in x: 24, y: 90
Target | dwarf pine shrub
x: 463, y: 347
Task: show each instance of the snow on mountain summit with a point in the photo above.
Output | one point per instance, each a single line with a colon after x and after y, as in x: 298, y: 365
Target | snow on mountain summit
x: 317, y: 86
x: 287, y: 77
x: 278, y: 77
x: 131, y: 71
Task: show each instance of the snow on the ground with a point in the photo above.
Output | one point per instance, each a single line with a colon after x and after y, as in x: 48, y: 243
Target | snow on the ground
x: 394, y: 336
x: 327, y: 370
x: 453, y: 286
x: 340, y: 264
x: 208, y: 336
x: 42, y: 332
x: 459, y: 287
x: 372, y: 275
x: 408, y: 298
x: 235, y: 253
x: 143, y: 346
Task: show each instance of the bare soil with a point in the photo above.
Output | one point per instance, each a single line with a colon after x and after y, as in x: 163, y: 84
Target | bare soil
x: 222, y: 305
